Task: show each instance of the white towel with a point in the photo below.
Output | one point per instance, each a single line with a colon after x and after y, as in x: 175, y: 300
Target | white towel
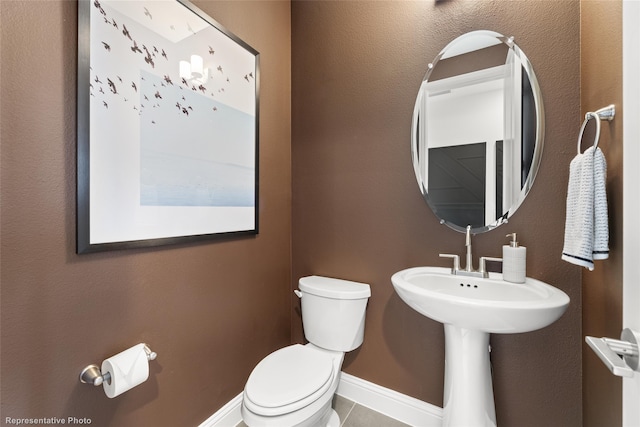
x: 586, y: 234
x: 600, y: 207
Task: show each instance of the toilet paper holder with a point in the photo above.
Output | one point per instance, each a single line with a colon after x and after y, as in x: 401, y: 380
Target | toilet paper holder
x: 92, y: 375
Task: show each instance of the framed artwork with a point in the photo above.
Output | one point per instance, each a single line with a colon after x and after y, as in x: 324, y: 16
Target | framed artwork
x: 167, y: 148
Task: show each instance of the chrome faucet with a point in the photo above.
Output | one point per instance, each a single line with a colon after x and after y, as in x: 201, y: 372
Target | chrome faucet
x: 468, y: 270
x: 467, y: 243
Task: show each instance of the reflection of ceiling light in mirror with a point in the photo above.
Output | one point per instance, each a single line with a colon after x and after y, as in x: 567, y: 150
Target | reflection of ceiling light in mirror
x: 194, y: 71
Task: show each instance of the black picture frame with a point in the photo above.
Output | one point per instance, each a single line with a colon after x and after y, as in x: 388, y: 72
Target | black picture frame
x: 167, y: 144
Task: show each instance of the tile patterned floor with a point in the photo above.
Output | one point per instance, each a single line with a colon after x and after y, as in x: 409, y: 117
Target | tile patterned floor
x: 353, y: 415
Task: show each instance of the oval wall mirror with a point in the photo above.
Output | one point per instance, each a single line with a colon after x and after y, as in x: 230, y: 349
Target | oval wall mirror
x: 477, y: 131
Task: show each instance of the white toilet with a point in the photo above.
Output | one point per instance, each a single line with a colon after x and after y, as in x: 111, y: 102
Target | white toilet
x: 294, y: 386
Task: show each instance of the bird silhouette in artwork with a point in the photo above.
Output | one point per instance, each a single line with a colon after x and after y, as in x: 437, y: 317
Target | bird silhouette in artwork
x: 96, y: 3
x: 184, y: 82
x: 101, y: 91
x: 135, y: 47
x: 251, y: 75
x: 165, y: 55
x: 105, y: 104
x: 97, y: 80
x: 133, y: 85
x: 246, y: 77
x: 112, y: 86
x: 168, y: 80
x: 211, y: 51
x: 202, y: 88
x: 215, y: 108
x: 178, y: 105
x: 106, y: 46
x: 114, y: 23
x: 148, y: 59
x: 220, y: 68
x: 126, y: 32
x: 185, y: 111
x: 157, y: 95
x: 119, y: 78
x: 146, y: 13
x: 145, y: 98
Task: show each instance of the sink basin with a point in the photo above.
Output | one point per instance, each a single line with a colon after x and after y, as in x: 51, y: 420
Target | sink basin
x: 485, y: 304
x: 471, y: 308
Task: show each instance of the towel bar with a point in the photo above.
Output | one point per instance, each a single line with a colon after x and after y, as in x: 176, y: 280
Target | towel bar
x: 606, y: 113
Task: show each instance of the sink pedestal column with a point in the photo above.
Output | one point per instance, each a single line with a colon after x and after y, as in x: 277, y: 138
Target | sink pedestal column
x: 468, y: 389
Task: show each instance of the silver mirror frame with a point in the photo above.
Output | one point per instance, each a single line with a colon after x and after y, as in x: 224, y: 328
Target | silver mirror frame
x: 539, y: 142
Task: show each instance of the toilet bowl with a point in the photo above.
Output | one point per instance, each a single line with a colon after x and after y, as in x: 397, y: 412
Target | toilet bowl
x: 294, y: 386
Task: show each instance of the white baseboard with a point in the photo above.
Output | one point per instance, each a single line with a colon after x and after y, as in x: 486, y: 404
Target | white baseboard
x: 227, y: 416
x: 386, y: 401
x: 396, y: 405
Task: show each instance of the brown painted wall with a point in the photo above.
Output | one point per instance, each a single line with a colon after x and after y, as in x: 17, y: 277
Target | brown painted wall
x: 357, y: 214
x: 209, y: 310
x: 601, y: 74
x: 357, y: 210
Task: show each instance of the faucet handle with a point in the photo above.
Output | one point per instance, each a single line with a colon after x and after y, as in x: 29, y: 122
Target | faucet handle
x: 456, y: 261
x: 483, y: 264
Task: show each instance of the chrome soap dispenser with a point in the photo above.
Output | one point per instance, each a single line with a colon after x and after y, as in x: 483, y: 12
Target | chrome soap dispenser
x: 514, y: 261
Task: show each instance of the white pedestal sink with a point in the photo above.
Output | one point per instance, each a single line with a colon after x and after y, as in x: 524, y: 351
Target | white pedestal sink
x: 471, y: 308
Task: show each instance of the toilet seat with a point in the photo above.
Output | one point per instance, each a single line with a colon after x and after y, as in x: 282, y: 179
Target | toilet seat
x: 287, y: 380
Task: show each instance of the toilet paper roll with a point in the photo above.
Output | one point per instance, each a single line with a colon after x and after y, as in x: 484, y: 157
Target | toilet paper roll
x: 127, y: 369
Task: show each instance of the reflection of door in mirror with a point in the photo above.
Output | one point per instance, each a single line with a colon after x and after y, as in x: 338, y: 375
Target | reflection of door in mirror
x: 457, y: 183
x: 499, y: 184
x: 493, y: 104
x: 520, y: 128
x: 462, y: 110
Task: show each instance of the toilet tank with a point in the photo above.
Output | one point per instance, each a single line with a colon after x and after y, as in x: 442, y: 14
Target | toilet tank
x: 333, y: 312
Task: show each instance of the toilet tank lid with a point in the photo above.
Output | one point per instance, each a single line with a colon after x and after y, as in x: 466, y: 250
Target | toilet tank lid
x: 334, y: 288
